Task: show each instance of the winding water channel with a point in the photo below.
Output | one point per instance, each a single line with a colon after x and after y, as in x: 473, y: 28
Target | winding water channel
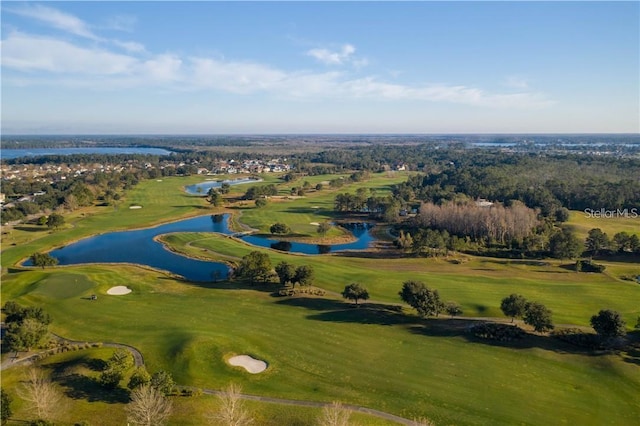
x: 139, y: 247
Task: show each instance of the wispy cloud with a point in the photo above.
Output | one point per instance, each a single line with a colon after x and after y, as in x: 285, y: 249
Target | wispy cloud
x: 333, y: 57
x: 41, y: 60
x: 57, y: 19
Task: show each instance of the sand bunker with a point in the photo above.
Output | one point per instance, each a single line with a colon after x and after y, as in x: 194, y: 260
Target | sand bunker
x: 135, y: 207
x: 119, y: 290
x: 314, y: 223
x: 252, y: 365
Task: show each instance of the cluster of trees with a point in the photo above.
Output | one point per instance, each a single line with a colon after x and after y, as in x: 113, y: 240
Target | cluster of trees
x: 115, y: 368
x: 26, y: 327
x: 70, y: 193
x: 496, y: 223
x: 260, y: 191
x: 598, y: 242
x: 290, y: 274
x: 426, y: 301
x: 43, y: 260
x: 256, y: 267
x: 383, y: 208
x: 550, y: 183
x: 534, y: 314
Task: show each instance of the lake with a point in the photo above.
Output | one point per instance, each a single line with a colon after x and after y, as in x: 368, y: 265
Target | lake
x: 139, y: 247
x: 8, y: 154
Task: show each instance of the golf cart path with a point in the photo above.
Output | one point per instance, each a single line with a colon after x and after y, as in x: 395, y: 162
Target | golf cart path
x: 139, y: 362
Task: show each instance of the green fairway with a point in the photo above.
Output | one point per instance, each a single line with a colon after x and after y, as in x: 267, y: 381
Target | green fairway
x: 583, y: 223
x: 478, y: 284
x: 325, y: 349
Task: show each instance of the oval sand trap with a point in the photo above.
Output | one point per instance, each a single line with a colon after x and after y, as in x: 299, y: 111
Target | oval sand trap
x: 314, y: 223
x: 119, y: 290
x: 252, y: 365
x: 135, y: 207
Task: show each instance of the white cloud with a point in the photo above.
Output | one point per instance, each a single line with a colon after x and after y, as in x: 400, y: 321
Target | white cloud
x: 130, y: 46
x: 329, y: 57
x: 31, y: 53
x: 104, y: 70
x: 57, y: 19
x: 163, y: 68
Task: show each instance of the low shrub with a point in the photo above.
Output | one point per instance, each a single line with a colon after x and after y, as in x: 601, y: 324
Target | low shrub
x: 498, y: 332
x: 577, y: 337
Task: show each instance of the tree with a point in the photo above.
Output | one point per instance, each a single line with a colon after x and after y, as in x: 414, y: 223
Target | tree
x: 231, y: 411
x: 334, y: 414
x: 304, y: 275
x: 5, y: 406
x: 280, y: 228
x: 355, y: 292
x: 538, y: 316
x: 323, y: 228
x: 117, y: 364
x: 40, y: 394
x: 513, y: 306
x: 453, y: 309
x: 608, y: 324
x: 319, y: 187
x: 286, y: 272
x: 55, y: 220
x: 140, y: 377
x: 596, y: 241
x: 565, y: 245
x: 256, y: 266
x: 43, y: 260
x: 225, y: 188
x: 162, y: 381
x: 25, y: 327
x: 261, y: 202
x: 148, y: 407
x: 215, y: 198
x: 424, y: 300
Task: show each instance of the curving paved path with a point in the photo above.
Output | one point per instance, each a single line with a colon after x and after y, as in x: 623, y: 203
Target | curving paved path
x: 139, y: 362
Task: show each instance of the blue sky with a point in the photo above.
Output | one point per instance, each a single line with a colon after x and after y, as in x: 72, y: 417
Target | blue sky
x: 320, y: 67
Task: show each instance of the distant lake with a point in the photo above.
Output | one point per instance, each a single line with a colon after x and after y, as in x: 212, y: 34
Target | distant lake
x: 17, y: 153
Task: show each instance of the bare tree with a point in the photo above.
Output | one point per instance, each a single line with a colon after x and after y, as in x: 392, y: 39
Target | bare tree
x: 231, y: 411
x: 148, y: 406
x: 334, y: 414
x: 41, y: 395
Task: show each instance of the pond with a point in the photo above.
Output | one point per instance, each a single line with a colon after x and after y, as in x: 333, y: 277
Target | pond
x: 139, y: 247
x: 204, y: 187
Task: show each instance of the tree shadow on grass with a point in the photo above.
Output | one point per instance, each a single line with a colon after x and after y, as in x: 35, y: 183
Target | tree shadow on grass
x: 338, y: 311
x: 78, y: 386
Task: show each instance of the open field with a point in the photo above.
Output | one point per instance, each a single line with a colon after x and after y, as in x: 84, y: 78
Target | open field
x: 75, y: 375
x: 582, y: 224
x: 323, y: 348
x: 477, y: 283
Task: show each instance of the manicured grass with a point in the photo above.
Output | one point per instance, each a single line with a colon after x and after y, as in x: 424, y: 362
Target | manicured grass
x: 478, y: 284
x: 76, y: 373
x: 325, y: 349
x: 582, y: 224
x: 315, y: 206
